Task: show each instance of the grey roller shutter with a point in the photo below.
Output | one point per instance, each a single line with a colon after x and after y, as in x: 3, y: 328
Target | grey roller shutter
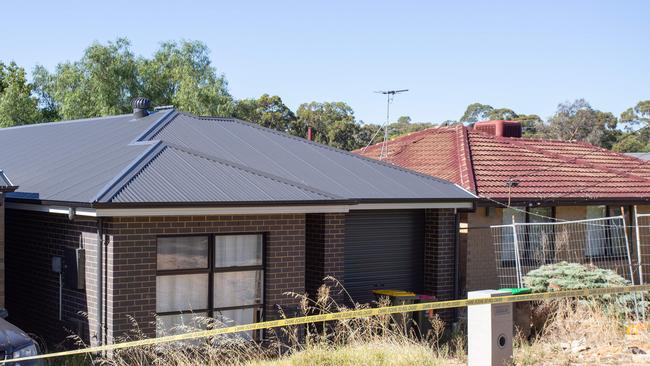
x: 383, y: 249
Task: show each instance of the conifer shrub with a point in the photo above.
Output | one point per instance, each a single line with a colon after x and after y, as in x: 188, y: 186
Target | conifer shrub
x: 574, y: 276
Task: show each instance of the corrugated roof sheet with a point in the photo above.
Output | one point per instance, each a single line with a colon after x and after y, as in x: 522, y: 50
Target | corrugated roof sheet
x: 213, y: 180
x: 543, y: 169
x: 176, y: 157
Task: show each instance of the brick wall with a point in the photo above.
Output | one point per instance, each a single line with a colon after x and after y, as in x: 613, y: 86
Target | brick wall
x: 325, y: 240
x: 300, y: 251
x: 440, y: 230
x: 32, y: 239
x: 481, y: 261
x: 132, y: 261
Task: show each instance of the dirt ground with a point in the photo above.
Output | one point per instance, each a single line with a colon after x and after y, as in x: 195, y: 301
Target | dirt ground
x: 631, y: 350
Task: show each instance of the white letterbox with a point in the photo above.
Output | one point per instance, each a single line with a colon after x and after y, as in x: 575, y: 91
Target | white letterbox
x: 489, y: 331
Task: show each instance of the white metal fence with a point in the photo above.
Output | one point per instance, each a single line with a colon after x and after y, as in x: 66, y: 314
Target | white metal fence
x: 603, y: 242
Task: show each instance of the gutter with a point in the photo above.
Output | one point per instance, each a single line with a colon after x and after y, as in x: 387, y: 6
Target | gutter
x: 533, y: 202
x: 257, y: 208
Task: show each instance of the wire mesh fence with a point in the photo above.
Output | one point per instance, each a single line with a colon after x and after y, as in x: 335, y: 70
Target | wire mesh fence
x: 603, y: 242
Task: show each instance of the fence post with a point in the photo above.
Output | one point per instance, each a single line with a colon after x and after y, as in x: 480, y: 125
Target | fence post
x: 638, y: 244
x: 629, y: 260
x: 517, y: 257
x: 627, y: 245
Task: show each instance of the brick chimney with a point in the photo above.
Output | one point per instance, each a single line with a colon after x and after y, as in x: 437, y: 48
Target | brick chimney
x: 499, y: 128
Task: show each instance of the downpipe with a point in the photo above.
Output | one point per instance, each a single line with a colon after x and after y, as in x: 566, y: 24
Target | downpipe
x: 100, y: 282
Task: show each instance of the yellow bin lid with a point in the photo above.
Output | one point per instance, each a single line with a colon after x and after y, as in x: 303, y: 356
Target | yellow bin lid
x: 393, y: 293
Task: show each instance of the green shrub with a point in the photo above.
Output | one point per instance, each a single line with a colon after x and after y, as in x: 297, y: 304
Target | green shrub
x: 571, y: 276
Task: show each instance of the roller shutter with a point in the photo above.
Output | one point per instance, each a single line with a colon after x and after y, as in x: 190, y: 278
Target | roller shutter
x: 383, y: 249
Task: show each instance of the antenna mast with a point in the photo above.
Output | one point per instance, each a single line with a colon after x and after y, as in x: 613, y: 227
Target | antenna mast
x: 390, y: 94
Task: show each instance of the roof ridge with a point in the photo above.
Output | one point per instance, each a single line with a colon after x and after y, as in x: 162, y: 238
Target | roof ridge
x: 153, y: 130
x: 466, y: 162
x: 119, y: 181
x: 251, y: 170
x: 322, y: 146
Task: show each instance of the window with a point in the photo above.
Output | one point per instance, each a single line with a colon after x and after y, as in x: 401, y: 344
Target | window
x: 602, y: 236
x: 218, y: 276
x: 536, y: 243
x: 596, y: 233
x: 540, y: 246
x: 508, y: 243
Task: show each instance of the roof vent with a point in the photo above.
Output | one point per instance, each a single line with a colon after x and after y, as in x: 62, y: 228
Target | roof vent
x: 140, y: 107
x: 499, y: 128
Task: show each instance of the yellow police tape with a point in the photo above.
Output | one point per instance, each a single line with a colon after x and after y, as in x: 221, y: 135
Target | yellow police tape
x: 342, y: 316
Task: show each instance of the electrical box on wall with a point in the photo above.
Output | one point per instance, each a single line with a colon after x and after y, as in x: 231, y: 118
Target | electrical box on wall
x: 75, y: 268
x: 57, y: 265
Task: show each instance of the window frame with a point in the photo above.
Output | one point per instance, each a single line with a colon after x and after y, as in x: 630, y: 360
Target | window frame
x: 608, y: 250
x: 526, y: 260
x: 211, y: 270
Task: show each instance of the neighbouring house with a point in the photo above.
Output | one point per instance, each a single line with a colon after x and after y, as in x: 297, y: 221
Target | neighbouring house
x: 5, y: 186
x: 541, y: 180
x: 168, y: 215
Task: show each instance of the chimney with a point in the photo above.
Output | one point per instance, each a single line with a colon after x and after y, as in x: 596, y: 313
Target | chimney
x: 309, y: 133
x: 140, y: 107
x: 499, y: 128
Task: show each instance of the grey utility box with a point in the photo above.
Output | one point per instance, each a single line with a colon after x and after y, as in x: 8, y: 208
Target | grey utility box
x: 489, y: 331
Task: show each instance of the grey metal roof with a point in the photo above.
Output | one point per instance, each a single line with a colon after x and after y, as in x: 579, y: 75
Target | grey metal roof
x: 173, y: 157
x: 640, y: 155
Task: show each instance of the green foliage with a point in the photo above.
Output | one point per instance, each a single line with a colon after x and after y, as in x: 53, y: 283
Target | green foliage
x: 574, y: 276
x: 404, y: 126
x: 639, y: 114
x: 102, y: 83
x: 17, y: 105
x: 333, y: 123
x: 577, y: 120
x: 181, y: 74
x: 109, y: 76
x: 571, y: 276
x: 268, y: 111
x: 632, y: 142
x: 476, y: 112
x: 480, y: 112
x: 531, y: 124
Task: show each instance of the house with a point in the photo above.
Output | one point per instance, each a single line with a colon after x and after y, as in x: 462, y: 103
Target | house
x: 5, y: 186
x: 532, y: 180
x: 173, y: 215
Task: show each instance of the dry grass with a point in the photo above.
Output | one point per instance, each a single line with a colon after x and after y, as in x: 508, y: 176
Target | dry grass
x: 378, y: 353
x: 582, y: 333
x: 577, y: 333
x: 380, y: 340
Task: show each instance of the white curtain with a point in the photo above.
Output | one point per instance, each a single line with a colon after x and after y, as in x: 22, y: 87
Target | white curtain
x: 237, y: 250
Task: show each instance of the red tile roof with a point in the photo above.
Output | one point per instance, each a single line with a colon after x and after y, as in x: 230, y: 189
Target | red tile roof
x: 542, y: 169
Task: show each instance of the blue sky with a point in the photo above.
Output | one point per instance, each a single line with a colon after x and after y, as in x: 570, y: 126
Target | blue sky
x: 524, y: 55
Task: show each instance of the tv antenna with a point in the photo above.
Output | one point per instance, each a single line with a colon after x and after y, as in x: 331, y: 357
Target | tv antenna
x: 390, y: 95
